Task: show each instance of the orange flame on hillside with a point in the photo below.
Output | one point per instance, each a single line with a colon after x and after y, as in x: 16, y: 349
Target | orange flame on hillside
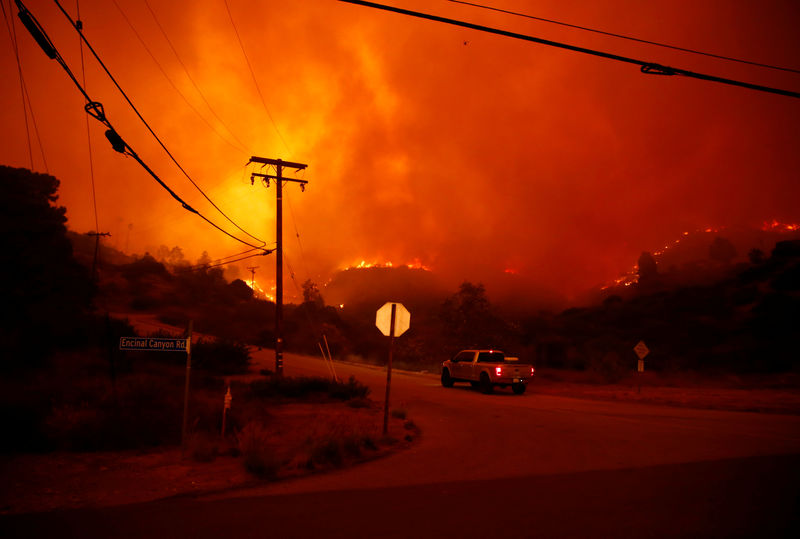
x: 782, y: 227
x: 414, y: 264
x: 632, y: 276
x: 259, y: 292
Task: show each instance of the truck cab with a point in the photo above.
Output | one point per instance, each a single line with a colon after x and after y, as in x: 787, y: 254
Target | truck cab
x: 487, y: 369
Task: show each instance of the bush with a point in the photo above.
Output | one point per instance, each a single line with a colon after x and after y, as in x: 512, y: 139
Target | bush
x: 220, y: 357
x: 258, y: 457
x: 304, y: 387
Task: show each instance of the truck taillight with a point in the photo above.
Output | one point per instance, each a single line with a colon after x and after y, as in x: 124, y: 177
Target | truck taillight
x: 498, y: 371
x: 531, y: 370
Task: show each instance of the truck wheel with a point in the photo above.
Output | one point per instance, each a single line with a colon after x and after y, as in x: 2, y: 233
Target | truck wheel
x: 486, y: 384
x: 518, y: 389
x: 447, y: 380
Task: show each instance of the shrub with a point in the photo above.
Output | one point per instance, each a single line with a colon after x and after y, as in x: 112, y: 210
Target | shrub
x: 203, y: 447
x: 303, y: 387
x: 326, y: 452
x: 221, y: 357
x: 258, y: 457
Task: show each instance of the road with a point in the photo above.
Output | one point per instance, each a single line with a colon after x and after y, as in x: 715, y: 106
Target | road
x: 497, y: 465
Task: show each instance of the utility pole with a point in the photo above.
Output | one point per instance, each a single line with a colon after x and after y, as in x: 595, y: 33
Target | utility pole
x: 253, y: 277
x: 279, y: 165
x: 96, y: 250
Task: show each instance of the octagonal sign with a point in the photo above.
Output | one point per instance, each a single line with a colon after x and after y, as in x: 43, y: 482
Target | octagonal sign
x: 402, y: 319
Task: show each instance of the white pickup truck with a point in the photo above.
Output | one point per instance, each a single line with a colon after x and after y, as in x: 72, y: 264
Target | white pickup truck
x: 487, y: 369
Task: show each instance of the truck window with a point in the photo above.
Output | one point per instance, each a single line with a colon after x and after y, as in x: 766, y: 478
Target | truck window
x: 490, y: 357
x: 464, y: 357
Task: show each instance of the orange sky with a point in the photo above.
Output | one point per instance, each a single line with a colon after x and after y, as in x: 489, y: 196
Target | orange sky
x: 470, y: 158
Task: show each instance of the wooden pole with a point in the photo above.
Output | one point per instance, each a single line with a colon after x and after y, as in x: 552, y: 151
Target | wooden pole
x: 186, y: 387
x: 389, y: 371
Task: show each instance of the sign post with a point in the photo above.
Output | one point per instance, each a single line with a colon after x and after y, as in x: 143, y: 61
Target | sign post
x: 186, y: 387
x: 641, y: 351
x: 167, y: 345
x: 226, y: 406
x: 393, y: 320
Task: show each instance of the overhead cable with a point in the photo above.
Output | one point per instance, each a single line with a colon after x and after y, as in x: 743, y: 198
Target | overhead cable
x: 623, y: 36
x: 649, y: 68
x: 255, y: 80
x: 146, y: 124
x: 174, y: 86
x: 198, y: 267
x: 191, y: 79
x: 95, y: 109
x: 88, y: 132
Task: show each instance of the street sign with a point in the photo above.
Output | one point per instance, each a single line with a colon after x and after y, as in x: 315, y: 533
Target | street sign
x: 641, y: 350
x: 153, y: 344
x: 402, y: 319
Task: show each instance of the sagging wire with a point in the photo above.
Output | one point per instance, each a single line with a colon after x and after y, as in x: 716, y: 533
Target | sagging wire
x: 242, y: 145
x: 650, y: 68
x: 623, y: 36
x: 88, y: 135
x: 95, y: 109
x: 219, y: 262
x: 146, y: 124
x: 255, y: 80
x: 174, y: 86
x: 27, y: 105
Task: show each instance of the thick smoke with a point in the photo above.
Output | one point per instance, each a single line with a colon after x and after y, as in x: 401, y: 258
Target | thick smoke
x: 478, y: 156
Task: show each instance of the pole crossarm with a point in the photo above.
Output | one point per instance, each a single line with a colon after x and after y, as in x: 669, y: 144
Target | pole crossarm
x: 277, y: 162
x: 272, y: 177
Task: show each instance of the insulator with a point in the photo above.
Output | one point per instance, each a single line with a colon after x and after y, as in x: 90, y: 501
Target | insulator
x: 116, y: 141
x: 37, y: 32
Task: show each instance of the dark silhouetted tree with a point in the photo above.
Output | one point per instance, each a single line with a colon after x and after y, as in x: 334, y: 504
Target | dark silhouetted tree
x: 756, y: 256
x: 240, y: 290
x: 311, y: 294
x: 45, y: 291
x: 468, y: 318
x: 721, y: 250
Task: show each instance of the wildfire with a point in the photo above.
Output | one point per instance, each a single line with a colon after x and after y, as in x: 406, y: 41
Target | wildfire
x: 632, y: 276
x: 414, y: 264
x: 782, y: 227
x: 259, y: 292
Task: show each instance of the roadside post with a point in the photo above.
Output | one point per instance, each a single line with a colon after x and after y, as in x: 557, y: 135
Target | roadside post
x: 641, y: 352
x: 154, y: 344
x: 186, y: 387
x: 393, y: 320
x: 227, y: 406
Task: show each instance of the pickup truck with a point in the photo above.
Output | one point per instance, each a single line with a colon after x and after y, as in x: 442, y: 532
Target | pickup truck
x: 487, y: 369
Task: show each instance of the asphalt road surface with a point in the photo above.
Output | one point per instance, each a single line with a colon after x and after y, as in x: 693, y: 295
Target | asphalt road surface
x: 502, y: 465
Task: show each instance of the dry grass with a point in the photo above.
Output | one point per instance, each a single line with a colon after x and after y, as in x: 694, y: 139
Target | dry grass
x: 756, y: 393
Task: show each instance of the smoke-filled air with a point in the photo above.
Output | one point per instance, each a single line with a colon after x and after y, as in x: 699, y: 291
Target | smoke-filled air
x: 477, y: 156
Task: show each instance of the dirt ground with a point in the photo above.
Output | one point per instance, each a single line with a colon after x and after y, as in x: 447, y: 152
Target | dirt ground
x: 33, y: 483
x: 71, y: 480
x: 777, y: 394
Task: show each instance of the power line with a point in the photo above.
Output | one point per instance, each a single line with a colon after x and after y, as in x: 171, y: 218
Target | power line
x: 198, y: 267
x: 89, y: 142
x: 174, y: 86
x: 191, y: 79
x: 12, y: 35
x: 650, y: 68
x: 623, y: 36
x: 95, y: 109
x: 255, y: 80
x: 147, y: 125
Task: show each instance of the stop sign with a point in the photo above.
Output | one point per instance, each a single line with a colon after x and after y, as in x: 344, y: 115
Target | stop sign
x: 402, y: 319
